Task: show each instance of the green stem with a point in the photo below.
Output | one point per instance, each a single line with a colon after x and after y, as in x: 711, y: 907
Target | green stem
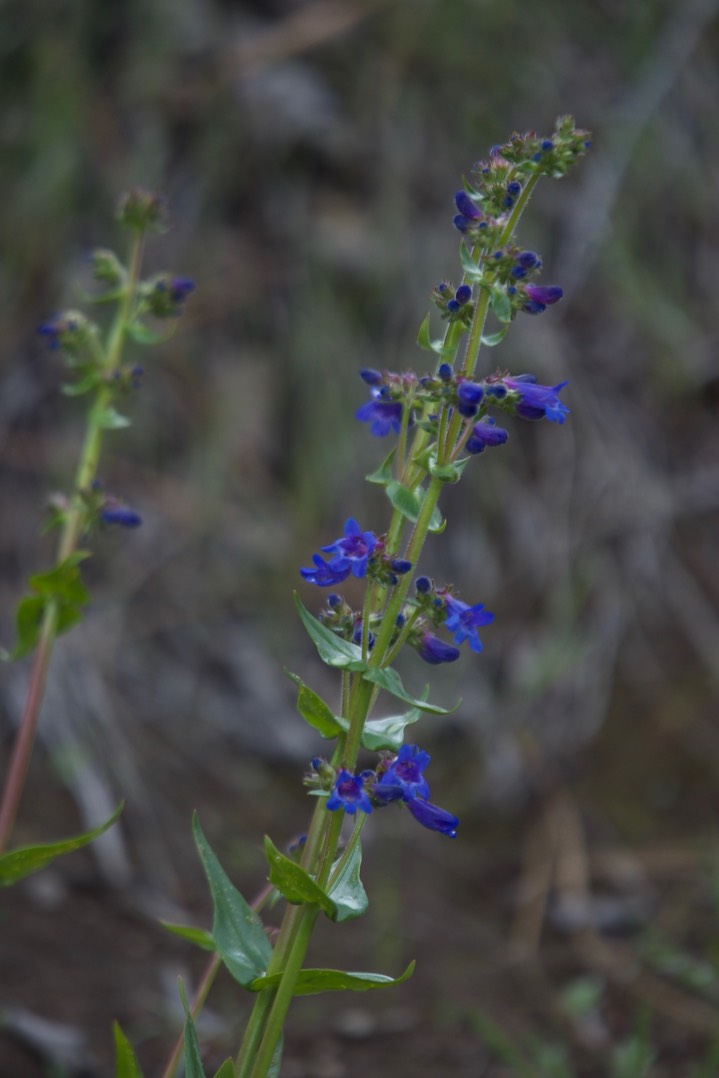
x: 72, y: 528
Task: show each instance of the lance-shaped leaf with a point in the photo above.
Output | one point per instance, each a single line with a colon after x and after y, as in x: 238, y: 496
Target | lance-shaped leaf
x: 500, y: 304
x: 332, y: 649
x: 192, y: 1057
x: 409, y: 504
x: 237, y: 930
x: 471, y: 270
x: 389, y: 680
x: 226, y: 1070
x: 314, y: 710
x: 17, y: 864
x: 294, y: 883
x: 388, y: 733
x: 61, y: 584
x: 383, y: 475
x: 346, y: 891
x: 424, y: 340
x: 199, y: 936
x: 126, y: 1065
x: 491, y: 340
x: 312, y: 981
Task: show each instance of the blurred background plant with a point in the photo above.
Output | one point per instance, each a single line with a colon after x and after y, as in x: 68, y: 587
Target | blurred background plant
x: 309, y: 152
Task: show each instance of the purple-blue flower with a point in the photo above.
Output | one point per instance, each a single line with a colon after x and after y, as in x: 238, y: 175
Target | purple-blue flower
x: 537, y: 401
x: 348, y: 793
x: 120, y: 514
x: 464, y: 620
x: 384, y: 417
x: 323, y: 574
x: 352, y: 551
x: 433, y: 817
x: 541, y: 296
x: 436, y: 651
x: 466, y: 206
x: 485, y: 433
x: 404, y: 779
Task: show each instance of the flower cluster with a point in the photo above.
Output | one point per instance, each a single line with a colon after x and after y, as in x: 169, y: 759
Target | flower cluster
x: 435, y: 607
x: 397, y: 779
x: 357, y: 553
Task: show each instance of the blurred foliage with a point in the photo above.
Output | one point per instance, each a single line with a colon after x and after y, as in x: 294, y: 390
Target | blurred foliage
x: 309, y: 152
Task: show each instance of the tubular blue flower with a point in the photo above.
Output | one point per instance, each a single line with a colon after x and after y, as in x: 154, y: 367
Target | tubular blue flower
x: 463, y: 294
x: 485, y: 433
x: 370, y: 376
x: 433, y: 817
x: 323, y: 574
x: 348, y: 793
x: 464, y: 620
x: 384, y: 417
x: 436, y: 651
x: 541, y: 296
x: 120, y: 514
x: 404, y: 779
x: 466, y: 206
x: 351, y: 551
x: 537, y: 401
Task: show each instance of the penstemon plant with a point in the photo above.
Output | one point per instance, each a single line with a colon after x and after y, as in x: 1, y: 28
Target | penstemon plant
x: 439, y: 421
x: 99, y: 370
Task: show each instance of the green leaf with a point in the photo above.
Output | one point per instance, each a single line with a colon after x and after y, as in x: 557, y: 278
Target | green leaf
x: 110, y: 419
x: 87, y: 381
x: 227, y: 1070
x: 28, y: 622
x: 332, y: 649
x: 389, y: 680
x: 199, y: 936
x: 142, y: 334
x: 294, y: 883
x: 17, y: 864
x: 471, y: 270
x: 346, y: 891
x: 423, y: 337
x: 448, y: 473
x: 237, y: 930
x: 193, y: 1057
x: 388, y: 733
x: 491, y: 340
x: 383, y: 475
x: 126, y: 1065
x: 501, y: 306
x: 312, y: 981
x: 63, y: 582
x: 314, y: 710
x: 409, y: 504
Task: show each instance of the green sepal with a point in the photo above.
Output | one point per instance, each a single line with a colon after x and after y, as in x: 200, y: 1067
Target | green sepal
x: 199, y: 936
x: 64, y: 585
x: 312, y: 981
x: 383, y: 475
x: 500, y: 304
x: 314, y: 710
x: 226, y: 1070
x: 389, y: 680
x: 110, y: 419
x: 192, y: 1056
x: 332, y: 649
x: 491, y: 340
x: 388, y: 733
x: 17, y: 864
x: 142, y: 334
x: 294, y: 883
x: 237, y: 930
x: 346, y: 891
x: 409, y: 504
x: 126, y: 1065
x: 471, y: 270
